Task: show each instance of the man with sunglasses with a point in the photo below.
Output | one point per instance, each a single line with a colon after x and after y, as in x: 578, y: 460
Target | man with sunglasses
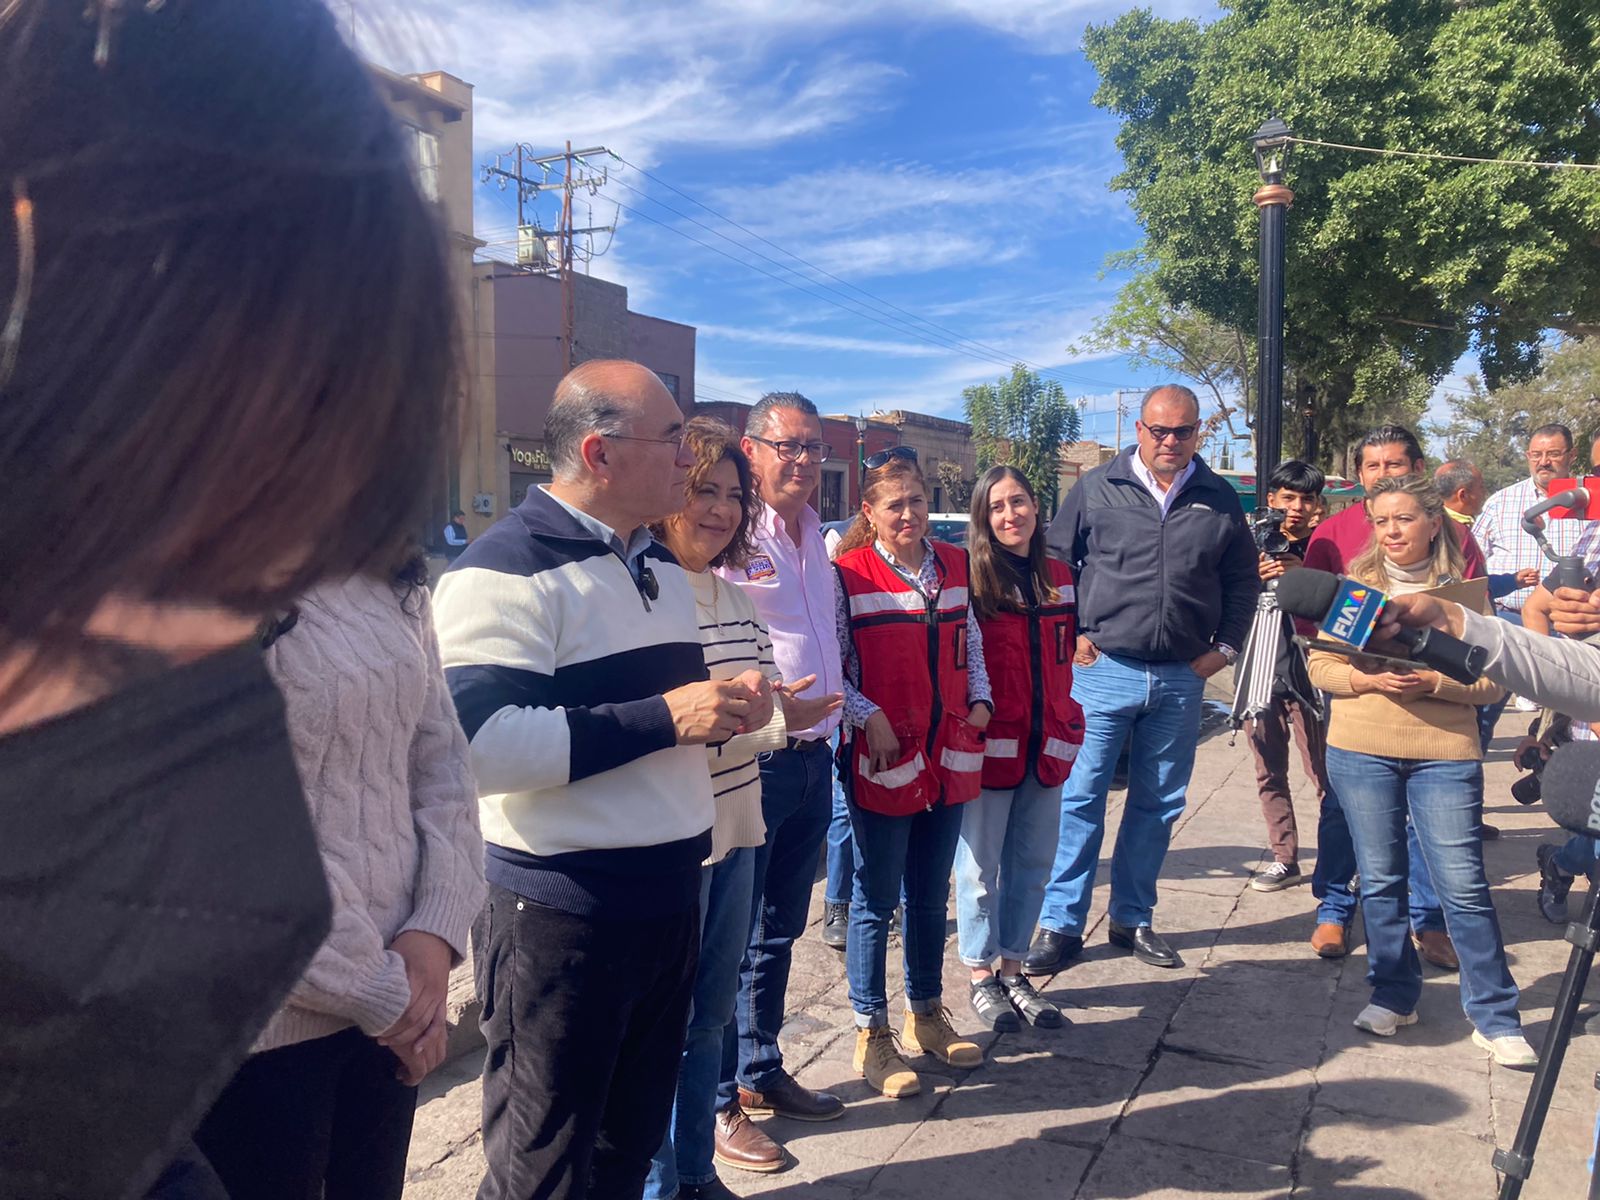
x: 1166, y: 574
x: 790, y: 580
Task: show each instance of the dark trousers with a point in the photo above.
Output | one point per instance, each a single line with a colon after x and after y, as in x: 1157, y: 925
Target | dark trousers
x: 796, y: 802
x: 1269, y: 739
x: 324, y: 1118
x: 584, y: 1020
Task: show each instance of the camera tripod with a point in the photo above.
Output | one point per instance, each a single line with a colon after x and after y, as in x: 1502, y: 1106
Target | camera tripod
x: 1516, y: 1164
x: 1255, y: 675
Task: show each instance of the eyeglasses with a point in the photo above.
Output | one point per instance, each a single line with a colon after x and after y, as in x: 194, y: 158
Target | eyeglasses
x: 676, y: 442
x: 1547, y: 455
x: 1178, y: 433
x: 789, y: 451
x: 884, y: 457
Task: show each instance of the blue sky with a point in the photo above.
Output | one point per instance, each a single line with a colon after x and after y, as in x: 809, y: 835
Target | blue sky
x: 941, y: 155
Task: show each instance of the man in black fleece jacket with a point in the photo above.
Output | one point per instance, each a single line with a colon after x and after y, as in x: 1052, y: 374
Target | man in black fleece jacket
x: 1166, y: 588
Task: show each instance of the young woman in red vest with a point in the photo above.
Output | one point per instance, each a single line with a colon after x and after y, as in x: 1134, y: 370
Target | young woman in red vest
x: 1026, y: 612
x: 916, y: 704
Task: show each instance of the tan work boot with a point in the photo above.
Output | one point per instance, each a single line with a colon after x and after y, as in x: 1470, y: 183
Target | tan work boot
x: 932, y: 1033
x: 878, y: 1058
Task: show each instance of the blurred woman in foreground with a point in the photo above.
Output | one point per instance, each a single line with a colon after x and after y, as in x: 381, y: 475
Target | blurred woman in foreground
x: 225, y: 358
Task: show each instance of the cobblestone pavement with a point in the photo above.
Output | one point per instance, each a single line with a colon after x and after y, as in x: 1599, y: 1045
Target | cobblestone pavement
x: 1238, y: 1075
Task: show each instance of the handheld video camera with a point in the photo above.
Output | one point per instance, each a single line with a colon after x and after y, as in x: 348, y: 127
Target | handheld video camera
x: 1551, y: 733
x: 1267, y: 527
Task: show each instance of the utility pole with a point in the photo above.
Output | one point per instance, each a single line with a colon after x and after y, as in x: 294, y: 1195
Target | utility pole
x: 1122, y: 411
x: 575, y: 173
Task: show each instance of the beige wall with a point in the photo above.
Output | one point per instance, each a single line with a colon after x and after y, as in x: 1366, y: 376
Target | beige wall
x: 936, y: 440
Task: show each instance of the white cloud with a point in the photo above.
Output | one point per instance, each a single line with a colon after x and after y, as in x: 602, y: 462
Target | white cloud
x: 821, y: 341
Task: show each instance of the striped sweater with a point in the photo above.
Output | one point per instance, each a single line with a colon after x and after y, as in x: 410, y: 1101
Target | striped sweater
x: 735, y: 641
x: 558, y: 661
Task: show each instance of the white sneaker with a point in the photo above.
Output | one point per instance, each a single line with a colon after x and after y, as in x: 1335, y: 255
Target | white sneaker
x: 1381, y: 1021
x: 1509, y: 1049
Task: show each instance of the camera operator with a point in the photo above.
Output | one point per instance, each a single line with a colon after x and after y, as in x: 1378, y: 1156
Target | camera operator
x: 1281, y: 536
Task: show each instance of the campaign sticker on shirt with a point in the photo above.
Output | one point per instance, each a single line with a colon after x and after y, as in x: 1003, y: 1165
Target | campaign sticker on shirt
x: 760, y: 567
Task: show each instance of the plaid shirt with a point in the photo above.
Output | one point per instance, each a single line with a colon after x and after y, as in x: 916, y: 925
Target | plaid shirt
x: 1508, y: 549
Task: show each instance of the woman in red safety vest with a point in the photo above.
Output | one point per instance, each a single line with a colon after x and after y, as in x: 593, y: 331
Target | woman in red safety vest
x: 1026, y: 611
x: 916, y: 704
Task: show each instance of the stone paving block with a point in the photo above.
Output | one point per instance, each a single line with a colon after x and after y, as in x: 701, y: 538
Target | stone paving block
x: 1115, y: 1038
x: 1575, y: 1090
x: 1442, y: 1036
x: 1040, y: 1095
x: 1402, y: 1091
x: 978, y: 1149
x: 1106, y: 977
x: 1266, y: 992
x: 1189, y: 1101
x: 1213, y: 1025
x: 1155, y: 1170
x: 1355, y: 1158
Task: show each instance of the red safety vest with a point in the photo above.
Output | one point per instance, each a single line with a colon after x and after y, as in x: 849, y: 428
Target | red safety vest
x: 1036, y: 721
x: 912, y: 653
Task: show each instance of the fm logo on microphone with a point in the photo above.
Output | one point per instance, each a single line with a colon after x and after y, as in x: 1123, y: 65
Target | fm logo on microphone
x: 1354, y: 612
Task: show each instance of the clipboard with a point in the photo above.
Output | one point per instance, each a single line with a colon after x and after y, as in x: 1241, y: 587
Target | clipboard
x: 1471, y: 594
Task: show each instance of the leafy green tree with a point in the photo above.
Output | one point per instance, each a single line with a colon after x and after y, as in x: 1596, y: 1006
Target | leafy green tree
x: 1022, y: 421
x: 957, y: 487
x: 1396, y: 266
x: 1491, y: 428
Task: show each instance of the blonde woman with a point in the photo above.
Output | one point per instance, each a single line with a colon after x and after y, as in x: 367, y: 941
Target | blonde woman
x: 1403, y: 744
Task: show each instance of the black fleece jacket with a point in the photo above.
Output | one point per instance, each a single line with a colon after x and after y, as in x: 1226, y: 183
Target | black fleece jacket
x: 1159, y: 590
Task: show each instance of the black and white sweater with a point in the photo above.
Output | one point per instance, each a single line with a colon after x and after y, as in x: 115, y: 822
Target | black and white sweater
x: 557, y: 663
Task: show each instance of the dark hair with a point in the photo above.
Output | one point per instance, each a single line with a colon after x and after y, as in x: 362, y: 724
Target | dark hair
x: 713, y: 441
x: 1390, y: 435
x: 1551, y: 430
x: 755, y: 424
x: 194, y: 355
x: 990, y: 589
x: 1177, y: 389
x: 1454, y: 476
x: 1296, y: 476
x: 458, y: 513
x: 860, y: 534
x: 582, y: 406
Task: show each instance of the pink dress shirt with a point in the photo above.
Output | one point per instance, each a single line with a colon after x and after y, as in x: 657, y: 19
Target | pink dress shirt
x: 792, y: 589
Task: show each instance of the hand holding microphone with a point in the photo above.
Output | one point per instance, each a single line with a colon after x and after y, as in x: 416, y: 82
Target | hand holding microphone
x: 1354, y: 613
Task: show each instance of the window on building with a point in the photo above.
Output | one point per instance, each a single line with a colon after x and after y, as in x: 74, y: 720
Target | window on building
x: 425, y: 154
x: 671, y: 381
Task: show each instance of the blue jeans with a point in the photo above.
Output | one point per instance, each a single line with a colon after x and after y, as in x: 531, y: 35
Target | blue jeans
x: 1002, y: 860
x: 1578, y: 854
x: 685, y: 1154
x: 1160, y: 704
x: 1445, y: 803
x: 796, y: 806
x: 841, y: 857
x: 1336, y: 867
x: 895, y: 856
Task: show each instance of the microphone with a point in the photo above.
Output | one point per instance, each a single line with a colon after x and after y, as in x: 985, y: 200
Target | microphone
x: 1349, y: 611
x: 1571, y: 785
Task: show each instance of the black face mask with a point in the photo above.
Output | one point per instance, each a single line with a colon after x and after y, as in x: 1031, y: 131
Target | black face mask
x: 160, y: 892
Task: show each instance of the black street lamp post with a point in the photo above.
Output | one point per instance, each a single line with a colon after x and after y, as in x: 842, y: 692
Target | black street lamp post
x: 861, y: 454
x: 1271, y: 144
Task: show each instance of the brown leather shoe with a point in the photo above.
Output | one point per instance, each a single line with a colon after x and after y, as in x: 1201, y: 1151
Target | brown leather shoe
x: 739, y: 1144
x: 1330, y: 940
x: 1435, y: 946
x: 783, y: 1097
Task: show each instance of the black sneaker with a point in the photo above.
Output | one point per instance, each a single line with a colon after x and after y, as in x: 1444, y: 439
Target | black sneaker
x: 1554, y: 884
x: 990, y: 1003
x: 835, y: 925
x: 1277, y: 877
x: 1031, y: 1007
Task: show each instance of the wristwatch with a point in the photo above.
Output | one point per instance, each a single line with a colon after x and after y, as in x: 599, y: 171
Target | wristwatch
x: 1229, y: 654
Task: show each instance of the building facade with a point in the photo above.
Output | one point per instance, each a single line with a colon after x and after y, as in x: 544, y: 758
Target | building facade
x: 519, y: 326
x: 936, y: 440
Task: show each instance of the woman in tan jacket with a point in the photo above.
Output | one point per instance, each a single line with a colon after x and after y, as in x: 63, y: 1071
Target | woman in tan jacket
x: 1403, y: 744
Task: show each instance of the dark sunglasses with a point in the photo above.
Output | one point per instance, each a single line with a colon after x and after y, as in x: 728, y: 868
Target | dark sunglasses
x: 883, y: 457
x: 1178, y: 433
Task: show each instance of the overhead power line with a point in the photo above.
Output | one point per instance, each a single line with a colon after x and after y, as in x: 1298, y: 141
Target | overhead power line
x: 947, y: 338
x: 1461, y: 158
